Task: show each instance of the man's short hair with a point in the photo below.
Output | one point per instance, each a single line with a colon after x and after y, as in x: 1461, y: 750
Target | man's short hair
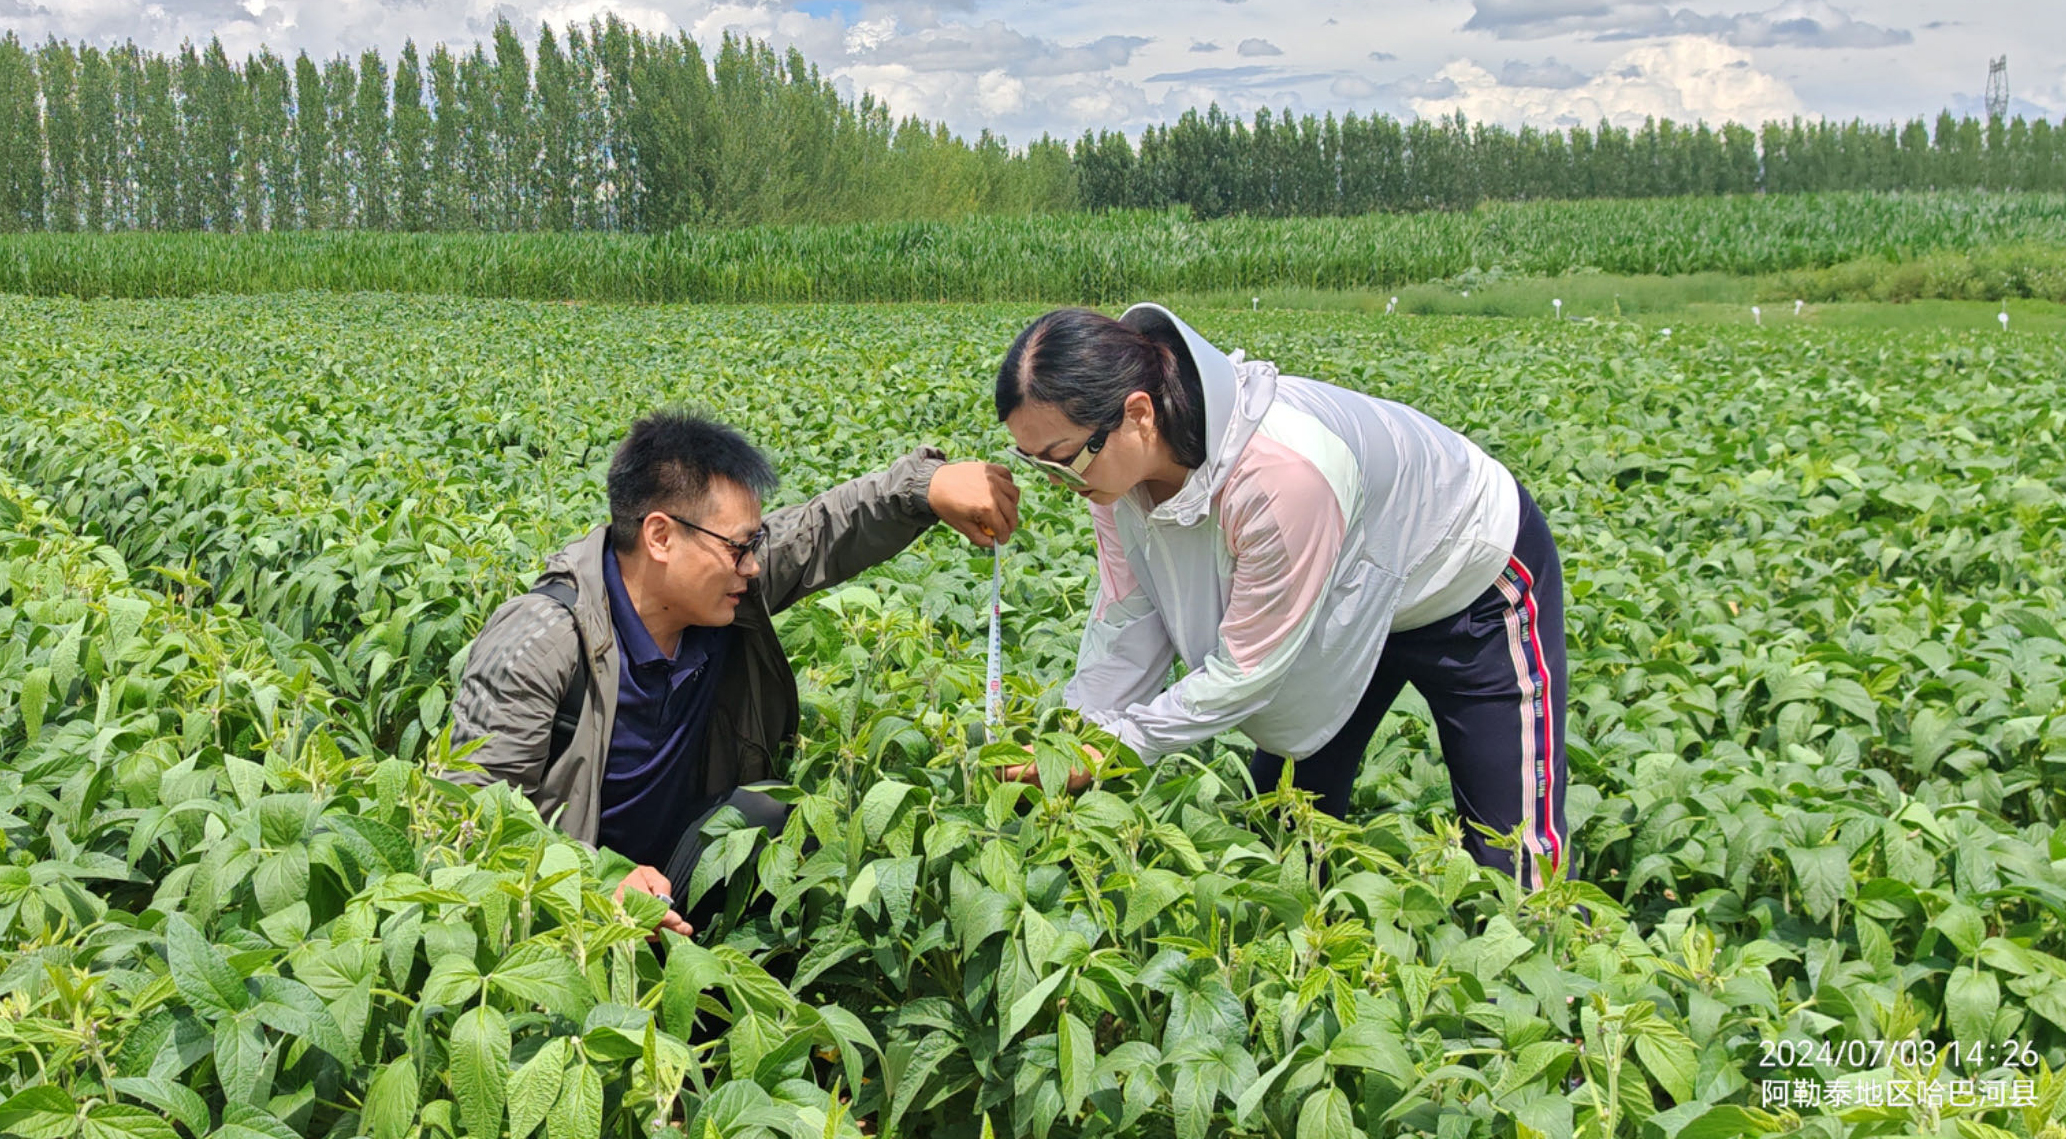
x: 667, y: 463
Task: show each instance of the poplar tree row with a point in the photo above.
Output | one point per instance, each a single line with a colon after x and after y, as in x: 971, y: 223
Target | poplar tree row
x: 604, y: 127
x: 1285, y: 166
x: 599, y: 127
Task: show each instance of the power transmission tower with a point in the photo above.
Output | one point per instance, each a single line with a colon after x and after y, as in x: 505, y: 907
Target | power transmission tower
x: 1998, y: 88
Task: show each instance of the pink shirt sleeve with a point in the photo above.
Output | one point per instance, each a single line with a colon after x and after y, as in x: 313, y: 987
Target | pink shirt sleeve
x: 1284, y: 528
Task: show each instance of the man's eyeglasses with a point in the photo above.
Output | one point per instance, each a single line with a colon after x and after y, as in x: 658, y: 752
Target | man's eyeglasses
x: 740, y: 550
x: 1068, y: 472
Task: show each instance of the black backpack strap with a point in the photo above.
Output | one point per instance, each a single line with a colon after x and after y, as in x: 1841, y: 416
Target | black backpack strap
x: 568, y: 715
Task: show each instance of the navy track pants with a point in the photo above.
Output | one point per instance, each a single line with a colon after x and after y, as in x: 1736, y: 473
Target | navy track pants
x: 1493, y: 675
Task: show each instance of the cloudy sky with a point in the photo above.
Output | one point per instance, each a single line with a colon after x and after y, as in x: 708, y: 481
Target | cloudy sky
x: 1024, y: 68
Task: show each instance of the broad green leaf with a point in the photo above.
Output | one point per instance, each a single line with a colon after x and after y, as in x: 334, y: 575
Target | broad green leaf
x: 1153, y: 891
x: 200, y: 971
x: 1326, y: 1115
x: 578, y: 1113
x: 480, y: 1068
x: 1027, y: 1007
x: 453, y: 981
x: 41, y: 1112
x: 294, y: 1009
x: 1971, y: 999
x: 1077, y: 1050
x: 537, y: 973
x: 240, y: 1055
x: 535, y: 1087
x: 35, y: 699
x: 1824, y: 875
x: 911, y: 1065
x: 561, y: 866
x: 175, y: 1101
x: 879, y: 806
x: 392, y: 1099
x: 124, y: 1121
x: 1670, y: 1058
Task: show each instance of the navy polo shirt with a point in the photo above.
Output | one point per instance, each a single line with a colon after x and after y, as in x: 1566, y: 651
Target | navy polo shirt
x: 652, y: 783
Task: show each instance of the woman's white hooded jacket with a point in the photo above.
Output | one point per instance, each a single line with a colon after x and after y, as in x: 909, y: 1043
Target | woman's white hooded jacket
x: 1322, y: 520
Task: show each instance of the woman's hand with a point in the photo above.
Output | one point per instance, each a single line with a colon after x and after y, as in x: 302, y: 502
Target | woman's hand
x: 978, y: 499
x: 648, y: 880
x: 1030, y: 772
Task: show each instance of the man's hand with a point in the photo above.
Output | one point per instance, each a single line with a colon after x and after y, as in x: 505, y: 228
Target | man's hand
x: 1030, y: 772
x: 978, y: 499
x: 648, y: 880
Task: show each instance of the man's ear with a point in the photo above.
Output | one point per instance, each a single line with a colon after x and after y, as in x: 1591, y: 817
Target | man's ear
x: 656, y: 536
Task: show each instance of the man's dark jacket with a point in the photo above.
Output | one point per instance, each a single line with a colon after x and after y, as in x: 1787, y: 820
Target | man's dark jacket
x: 528, y: 654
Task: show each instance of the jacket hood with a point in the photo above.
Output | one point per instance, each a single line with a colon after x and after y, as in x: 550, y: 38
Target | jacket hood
x: 1237, y: 393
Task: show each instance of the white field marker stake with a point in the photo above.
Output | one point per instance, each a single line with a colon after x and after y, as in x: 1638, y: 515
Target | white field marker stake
x: 1558, y: 304
x: 993, y: 685
x: 1254, y: 303
x: 2003, y: 316
x: 1797, y: 307
x: 1757, y: 314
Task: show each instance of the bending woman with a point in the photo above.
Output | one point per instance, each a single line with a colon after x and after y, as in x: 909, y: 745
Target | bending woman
x: 1307, y: 551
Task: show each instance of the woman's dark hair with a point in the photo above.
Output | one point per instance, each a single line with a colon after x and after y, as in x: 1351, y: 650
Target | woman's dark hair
x: 667, y: 463
x: 1086, y: 364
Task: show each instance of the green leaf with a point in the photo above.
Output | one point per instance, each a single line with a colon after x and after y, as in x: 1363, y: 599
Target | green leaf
x: 578, y: 1113
x: 125, y: 618
x: 1971, y: 999
x: 294, y: 1009
x: 391, y: 1100
x: 41, y: 1112
x: 542, y: 974
x: 240, y: 1059
x: 453, y: 981
x: 177, y: 1101
x: 124, y: 1121
x: 1326, y: 1115
x: 1153, y: 891
x: 535, y: 1087
x: 200, y: 971
x: 910, y: 1065
x: 1824, y: 876
x: 35, y: 699
x: 879, y: 806
x: 242, y: 1121
x: 1077, y: 1050
x: 1964, y: 926
x: 561, y: 866
x: 1027, y: 1007
x: 691, y: 969
x: 480, y: 1069
x: 1670, y: 1057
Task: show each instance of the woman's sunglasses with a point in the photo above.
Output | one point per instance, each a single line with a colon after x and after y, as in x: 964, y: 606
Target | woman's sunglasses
x: 1068, y: 473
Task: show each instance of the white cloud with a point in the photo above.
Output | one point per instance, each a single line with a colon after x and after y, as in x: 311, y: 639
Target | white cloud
x: 1794, y: 23
x: 1683, y: 79
x: 1066, y: 65
x: 1352, y: 87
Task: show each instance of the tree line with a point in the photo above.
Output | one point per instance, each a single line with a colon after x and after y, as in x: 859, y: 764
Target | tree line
x: 600, y: 127
x: 1282, y: 165
x: 605, y: 127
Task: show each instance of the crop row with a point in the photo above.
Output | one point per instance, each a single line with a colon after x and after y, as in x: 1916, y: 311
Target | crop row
x: 1086, y: 258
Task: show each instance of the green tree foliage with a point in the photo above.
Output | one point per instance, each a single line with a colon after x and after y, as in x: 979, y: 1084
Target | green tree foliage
x: 600, y: 126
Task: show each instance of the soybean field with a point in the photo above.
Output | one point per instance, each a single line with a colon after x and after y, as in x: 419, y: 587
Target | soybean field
x: 1817, y: 742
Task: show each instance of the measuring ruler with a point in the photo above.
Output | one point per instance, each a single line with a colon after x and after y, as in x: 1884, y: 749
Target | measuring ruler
x: 993, y: 689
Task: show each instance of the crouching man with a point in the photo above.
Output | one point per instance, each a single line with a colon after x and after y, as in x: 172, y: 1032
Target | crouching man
x: 639, y: 687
